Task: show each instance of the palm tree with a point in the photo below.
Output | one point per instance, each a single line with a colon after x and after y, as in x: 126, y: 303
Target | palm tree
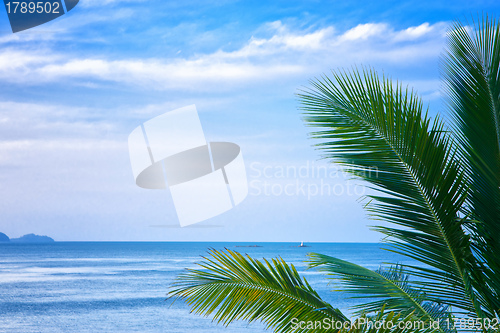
x: 437, y: 184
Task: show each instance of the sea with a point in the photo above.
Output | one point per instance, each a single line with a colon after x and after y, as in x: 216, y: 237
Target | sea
x: 122, y: 286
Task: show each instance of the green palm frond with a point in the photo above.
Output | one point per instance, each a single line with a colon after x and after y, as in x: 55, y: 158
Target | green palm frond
x: 472, y: 76
x: 235, y: 287
x: 388, y: 288
x: 366, y: 124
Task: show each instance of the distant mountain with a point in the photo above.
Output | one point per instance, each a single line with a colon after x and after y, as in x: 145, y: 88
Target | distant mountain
x: 32, y: 238
x: 4, y: 237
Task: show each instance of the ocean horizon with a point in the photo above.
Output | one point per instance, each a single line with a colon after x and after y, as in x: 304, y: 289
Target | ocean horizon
x: 122, y: 286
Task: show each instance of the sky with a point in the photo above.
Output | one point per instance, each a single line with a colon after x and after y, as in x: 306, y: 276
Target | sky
x: 72, y: 90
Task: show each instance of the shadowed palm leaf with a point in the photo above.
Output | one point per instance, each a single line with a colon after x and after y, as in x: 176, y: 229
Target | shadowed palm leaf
x: 472, y: 73
x: 235, y: 287
x: 388, y: 288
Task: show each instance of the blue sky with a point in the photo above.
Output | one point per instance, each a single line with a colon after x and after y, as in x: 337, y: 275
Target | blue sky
x: 74, y: 88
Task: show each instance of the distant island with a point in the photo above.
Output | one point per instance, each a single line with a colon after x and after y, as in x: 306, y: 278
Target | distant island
x: 4, y: 237
x: 29, y: 238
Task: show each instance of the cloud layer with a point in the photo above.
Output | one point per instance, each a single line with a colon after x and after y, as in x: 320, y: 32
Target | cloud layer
x: 66, y: 113
x: 287, y: 53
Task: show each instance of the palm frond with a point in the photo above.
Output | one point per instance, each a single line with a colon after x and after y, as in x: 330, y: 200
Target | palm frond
x: 235, y: 287
x: 472, y: 76
x: 387, y: 288
x: 366, y: 124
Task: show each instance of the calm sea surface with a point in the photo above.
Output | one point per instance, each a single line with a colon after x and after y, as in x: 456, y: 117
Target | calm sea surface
x: 121, y: 286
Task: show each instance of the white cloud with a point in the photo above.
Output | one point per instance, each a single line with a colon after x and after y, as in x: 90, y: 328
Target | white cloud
x: 286, y: 54
x: 364, y: 31
x: 418, y: 31
x: 413, y: 33
x: 21, y: 62
x: 284, y: 39
x: 164, y: 75
x: 75, y: 145
x: 30, y: 121
x: 27, y: 36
